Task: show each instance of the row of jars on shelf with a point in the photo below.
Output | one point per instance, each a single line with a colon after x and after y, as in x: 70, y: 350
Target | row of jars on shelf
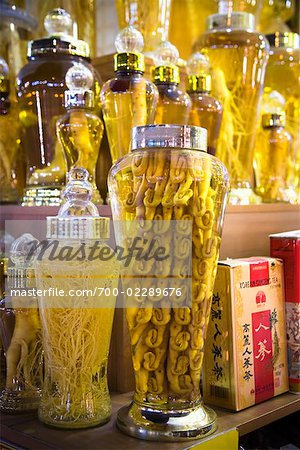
x: 230, y: 114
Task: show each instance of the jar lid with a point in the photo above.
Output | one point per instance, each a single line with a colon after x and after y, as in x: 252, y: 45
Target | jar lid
x: 234, y: 20
x: 273, y: 120
x: 78, y: 218
x: 284, y: 40
x: 166, y: 58
x: 172, y: 136
x: 59, y: 26
x: 166, y: 74
x: 79, y: 80
x: 129, y: 43
x: 199, y: 83
x: 22, y: 254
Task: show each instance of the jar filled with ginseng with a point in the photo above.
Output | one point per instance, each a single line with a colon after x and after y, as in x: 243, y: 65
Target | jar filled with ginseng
x: 168, y: 198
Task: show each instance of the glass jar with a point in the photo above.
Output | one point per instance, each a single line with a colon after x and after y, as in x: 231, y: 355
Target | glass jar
x: 20, y: 330
x: 41, y: 86
x: 76, y: 315
x: 15, y: 27
x: 273, y: 161
x: 174, y: 104
x: 238, y: 57
x: 274, y: 14
x: 176, y: 193
x: 80, y: 130
x: 206, y: 111
x: 128, y: 99
x: 150, y: 17
x: 283, y: 76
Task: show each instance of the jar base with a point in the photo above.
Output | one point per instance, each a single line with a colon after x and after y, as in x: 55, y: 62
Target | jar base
x: 42, y: 196
x: 158, y: 425
x: 15, y: 403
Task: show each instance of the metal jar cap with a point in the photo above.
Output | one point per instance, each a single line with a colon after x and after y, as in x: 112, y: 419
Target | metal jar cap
x: 172, y: 136
x: 235, y: 20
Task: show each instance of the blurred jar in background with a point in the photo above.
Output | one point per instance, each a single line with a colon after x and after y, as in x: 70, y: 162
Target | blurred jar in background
x: 82, y: 13
x: 274, y: 14
x: 150, y: 17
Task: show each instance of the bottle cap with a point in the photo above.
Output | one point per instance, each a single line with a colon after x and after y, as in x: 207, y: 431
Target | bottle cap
x: 198, y: 70
x: 129, y: 44
x: 166, y: 57
x: 59, y: 26
x: 284, y: 40
x: 78, y: 218
x: 79, y: 79
x: 273, y: 120
x: 22, y: 254
x: 171, y: 136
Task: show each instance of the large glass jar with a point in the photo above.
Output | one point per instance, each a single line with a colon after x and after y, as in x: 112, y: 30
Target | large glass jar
x: 41, y: 86
x: 21, y: 336
x: 150, y: 17
x: 76, y: 310
x: 238, y: 57
x: 283, y: 76
x: 175, y: 192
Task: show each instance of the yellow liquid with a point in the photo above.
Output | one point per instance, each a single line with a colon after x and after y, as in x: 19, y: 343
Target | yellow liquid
x: 238, y: 69
x: 173, y: 105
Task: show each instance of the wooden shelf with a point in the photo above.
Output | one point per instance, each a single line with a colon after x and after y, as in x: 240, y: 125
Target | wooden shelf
x: 25, y: 431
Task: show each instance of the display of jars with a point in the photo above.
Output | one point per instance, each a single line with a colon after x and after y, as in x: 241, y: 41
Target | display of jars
x: 41, y: 86
x: 76, y: 326
x: 150, y: 17
x: 170, y: 179
x: 238, y: 57
x: 20, y: 331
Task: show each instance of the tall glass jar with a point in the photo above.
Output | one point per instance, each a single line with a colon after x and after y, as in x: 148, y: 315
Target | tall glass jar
x: 21, y: 336
x: 76, y: 315
x: 175, y: 193
x: 283, y: 76
x: 238, y: 56
x: 150, y: 17
x: 41, y: 86
x: 174, y: 104
x: 129, y: 99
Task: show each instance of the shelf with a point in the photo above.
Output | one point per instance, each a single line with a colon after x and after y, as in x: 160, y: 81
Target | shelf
x: 25, y: 431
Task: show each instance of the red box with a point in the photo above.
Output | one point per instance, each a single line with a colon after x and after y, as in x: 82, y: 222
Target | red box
x: 286, y: 246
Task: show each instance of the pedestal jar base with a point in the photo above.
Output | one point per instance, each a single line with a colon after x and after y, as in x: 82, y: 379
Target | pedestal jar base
x: 158, y: 425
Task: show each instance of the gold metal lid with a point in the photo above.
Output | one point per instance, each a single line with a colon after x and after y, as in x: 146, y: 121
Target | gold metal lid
x: 129, y: 62
x: 271, y: 120
x: 166, y: 74
x: 199, y: 83
x: 284, y: 40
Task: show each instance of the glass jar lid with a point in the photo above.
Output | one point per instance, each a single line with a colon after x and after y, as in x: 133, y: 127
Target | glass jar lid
x: 59, y: 26
x: 78, y: 218
x: 22, y: 254
x: 129, y: 44
x: 169, y: 136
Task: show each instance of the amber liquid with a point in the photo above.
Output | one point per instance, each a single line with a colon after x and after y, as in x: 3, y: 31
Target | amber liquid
x: 173, y: 105
x: 238, y: 61
x: 206, y: 112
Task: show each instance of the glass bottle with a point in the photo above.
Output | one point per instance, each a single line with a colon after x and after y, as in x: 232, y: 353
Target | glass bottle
x: 206, y: 111
x: 150, y: 17
x: 20, y: 329
x: 77, y: 324
x: 273, y: 161
x: 238, y: 57
x: 80, y: 131
x: 128, y: 99
x: 8, y: 141
x: 175, y: 195
x: 174, y: 105
x: 41, y: 86
x: 283, y: 76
